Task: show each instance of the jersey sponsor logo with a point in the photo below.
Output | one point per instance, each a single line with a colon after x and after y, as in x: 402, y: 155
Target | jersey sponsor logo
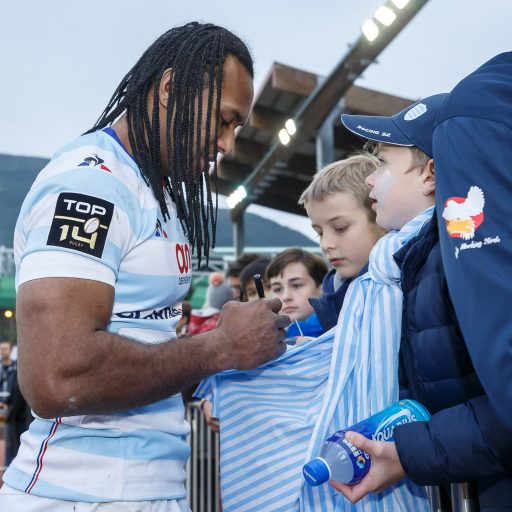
x: 183, y: 258
x: 464, y: 215
x: 152, y: 314
x: 94, y: 161
x: 184, y: 280
x: 159, y: 230
x: 81, y: 223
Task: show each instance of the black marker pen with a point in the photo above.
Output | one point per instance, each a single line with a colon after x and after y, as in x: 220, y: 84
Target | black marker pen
x: 259, y: 286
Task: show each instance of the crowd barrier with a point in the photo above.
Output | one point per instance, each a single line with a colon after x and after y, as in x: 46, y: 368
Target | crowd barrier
x: 203, y: 482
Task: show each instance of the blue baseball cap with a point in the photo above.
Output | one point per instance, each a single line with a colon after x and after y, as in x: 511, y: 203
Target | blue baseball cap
x: 413, y: 126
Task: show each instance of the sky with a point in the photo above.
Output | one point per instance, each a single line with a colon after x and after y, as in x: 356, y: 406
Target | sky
x: 61, y: 60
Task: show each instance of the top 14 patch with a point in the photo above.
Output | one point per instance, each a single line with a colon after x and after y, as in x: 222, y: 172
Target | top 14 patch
x: 81, y: 223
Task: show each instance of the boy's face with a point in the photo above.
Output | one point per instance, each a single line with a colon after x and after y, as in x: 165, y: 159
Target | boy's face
x: 397, y: 188
x: 294, y: 287
x: 346, y: 234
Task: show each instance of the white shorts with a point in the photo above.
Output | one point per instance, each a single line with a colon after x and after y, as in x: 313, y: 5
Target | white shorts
x: 12, y: 500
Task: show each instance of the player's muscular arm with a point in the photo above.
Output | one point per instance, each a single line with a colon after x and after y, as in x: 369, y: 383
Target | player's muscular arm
x: 69, y: 364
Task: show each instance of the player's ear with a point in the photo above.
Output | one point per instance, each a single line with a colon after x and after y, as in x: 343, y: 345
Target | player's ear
x: 429, y: 179
x: 164, y: 88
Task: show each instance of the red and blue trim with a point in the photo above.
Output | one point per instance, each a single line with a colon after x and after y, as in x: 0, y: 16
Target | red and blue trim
x: 40, y: 456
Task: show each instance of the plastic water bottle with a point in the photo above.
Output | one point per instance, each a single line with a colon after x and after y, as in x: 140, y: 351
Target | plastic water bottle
x: 340, y: 460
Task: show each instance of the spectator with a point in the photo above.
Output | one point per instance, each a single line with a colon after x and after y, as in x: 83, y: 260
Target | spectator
x: 18, y: 420
x: 12, y: 404
x: 249, y: 292
x: 295, y: 276
x: 340, y: 211
x: 218, y: 293
x: 233, y: 273
x: 7, y: 374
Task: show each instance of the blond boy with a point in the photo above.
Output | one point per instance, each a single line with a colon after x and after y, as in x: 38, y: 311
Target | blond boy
x: 340, y: 211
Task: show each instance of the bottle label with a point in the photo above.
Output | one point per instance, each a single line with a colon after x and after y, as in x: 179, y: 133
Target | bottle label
x: 361, y: 461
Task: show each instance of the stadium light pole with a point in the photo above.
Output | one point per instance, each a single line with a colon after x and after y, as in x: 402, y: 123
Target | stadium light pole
x: 387, y: 22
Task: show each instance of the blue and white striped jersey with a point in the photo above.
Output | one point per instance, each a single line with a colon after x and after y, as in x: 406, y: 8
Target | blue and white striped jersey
x: 90, y: 215
x: 276, y: 418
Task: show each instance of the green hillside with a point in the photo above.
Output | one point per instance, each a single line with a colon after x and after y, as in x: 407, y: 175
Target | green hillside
x: 16, y: 176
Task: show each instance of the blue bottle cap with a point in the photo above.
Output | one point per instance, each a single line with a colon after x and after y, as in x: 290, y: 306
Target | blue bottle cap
x: 316, y: 472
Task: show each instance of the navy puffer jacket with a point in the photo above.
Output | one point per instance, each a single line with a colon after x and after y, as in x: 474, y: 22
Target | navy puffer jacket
x: 464, y: 440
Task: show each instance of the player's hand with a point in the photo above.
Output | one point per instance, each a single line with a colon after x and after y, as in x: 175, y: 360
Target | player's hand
x: 254, y: 332
x: 385, y: 469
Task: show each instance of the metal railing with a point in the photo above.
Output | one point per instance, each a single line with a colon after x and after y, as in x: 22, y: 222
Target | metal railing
x: 456, y: 498
x: 203, y: 482
x: 464, y: 498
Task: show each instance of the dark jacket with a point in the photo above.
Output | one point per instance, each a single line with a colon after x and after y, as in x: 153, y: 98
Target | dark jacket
x: 328, y: 306
x: 464, y: 440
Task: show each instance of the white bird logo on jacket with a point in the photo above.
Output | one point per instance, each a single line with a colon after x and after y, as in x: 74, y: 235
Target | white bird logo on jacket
x: 460, y: 215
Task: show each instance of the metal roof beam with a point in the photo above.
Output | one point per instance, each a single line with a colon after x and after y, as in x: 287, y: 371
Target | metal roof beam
x: 327, y: 94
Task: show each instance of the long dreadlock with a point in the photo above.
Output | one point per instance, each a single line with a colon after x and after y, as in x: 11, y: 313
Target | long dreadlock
x: 196, y: 53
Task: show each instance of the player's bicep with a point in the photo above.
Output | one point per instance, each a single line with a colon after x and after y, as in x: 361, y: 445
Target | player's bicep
x: 57, y: 319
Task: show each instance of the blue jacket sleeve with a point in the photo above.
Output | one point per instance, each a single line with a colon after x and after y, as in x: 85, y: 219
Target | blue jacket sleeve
x: 473, y: 197
x: 463, y: 443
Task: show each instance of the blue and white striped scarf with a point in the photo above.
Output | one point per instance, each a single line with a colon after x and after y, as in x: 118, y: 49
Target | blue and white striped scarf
x: 276, y: 418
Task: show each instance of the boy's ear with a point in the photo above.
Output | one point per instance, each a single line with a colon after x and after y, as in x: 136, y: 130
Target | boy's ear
x: 429, y: 179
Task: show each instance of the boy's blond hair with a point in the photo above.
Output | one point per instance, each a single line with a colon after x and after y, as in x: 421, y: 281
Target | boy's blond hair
x: 346, y: 175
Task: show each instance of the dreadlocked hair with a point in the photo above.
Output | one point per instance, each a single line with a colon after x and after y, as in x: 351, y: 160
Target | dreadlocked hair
x: 196, y: 53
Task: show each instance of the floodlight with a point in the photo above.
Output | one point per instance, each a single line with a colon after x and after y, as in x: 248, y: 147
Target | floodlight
x: 290, y: 127
x: 236, y: 196
x: 385, y: 15
x: 284, y: 137
x: 400, y: 3
x: 370, y: 30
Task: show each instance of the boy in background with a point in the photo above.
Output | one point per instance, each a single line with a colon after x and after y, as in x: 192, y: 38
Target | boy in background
x: 339, y: 208
x: 295, y: 275
x: 234, y: 270
x: 246, y: 279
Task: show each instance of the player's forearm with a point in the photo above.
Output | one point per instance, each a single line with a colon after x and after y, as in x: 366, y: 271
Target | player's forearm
x: 115, y: 373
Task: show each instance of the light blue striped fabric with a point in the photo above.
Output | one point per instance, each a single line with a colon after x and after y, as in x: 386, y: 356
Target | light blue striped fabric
x: 277, y: 417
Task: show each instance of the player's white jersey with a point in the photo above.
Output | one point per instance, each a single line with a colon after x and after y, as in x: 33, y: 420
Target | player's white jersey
x: 90, y: 215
